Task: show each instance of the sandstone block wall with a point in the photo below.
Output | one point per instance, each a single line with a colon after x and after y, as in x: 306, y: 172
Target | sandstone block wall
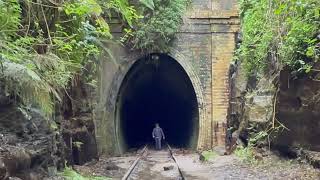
x: 204, y: 47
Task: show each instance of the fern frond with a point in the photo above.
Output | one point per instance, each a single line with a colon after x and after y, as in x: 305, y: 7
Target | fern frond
x: 27, y: 85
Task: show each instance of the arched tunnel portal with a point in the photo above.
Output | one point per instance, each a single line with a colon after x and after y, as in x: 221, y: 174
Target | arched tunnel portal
x: 156, y: 89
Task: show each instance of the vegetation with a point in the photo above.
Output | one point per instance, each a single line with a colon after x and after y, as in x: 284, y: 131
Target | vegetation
x: 45, y: 44
x: 281, y: 32
x: 70, y: 174
x: 207, y: 155
x: 259, y: 137
x: 246, y: 154
x: 155, y: 31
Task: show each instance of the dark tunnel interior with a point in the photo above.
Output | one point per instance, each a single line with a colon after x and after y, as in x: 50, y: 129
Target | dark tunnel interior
x: 157, y: 90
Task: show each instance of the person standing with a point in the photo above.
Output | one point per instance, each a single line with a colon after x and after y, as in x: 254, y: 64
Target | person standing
x: 157, y: 135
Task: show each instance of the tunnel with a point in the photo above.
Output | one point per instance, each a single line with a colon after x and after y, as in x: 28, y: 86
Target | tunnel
x: 156, y: 89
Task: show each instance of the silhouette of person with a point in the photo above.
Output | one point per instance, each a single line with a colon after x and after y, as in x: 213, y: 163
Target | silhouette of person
x: 157, y: 135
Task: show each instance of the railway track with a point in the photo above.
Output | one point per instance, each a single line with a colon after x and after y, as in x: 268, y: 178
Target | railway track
x: 149, y: 165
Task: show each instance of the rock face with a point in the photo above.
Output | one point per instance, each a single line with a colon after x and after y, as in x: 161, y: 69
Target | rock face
x: 259, y: 102
x: 77, y: 126
x: 251, y: 102
x: 298, y: 109
x: 80, y: 140
x: 296, y: 106
x: 32, y: 147
x: 27, y: 144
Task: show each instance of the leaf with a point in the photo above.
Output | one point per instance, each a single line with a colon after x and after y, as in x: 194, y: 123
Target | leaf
x: 310, y: 51
x: 94, y: 7
x: 148, y: 3
x: 317, y: 13
x: 308, y: 69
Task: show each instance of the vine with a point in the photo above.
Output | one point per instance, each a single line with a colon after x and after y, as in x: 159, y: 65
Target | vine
x: 155, y: 30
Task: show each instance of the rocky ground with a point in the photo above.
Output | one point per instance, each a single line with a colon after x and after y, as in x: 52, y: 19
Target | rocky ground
x: 219, y: 167
x: 231, y: 167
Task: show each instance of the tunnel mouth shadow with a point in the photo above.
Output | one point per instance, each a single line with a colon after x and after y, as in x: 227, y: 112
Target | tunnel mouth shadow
x: 156, y: 89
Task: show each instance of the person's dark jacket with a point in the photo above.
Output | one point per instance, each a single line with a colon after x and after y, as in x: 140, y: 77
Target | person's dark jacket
x: 157, y: 133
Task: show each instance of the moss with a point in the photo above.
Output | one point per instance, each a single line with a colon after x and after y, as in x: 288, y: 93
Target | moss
x: 70, y: 174
x: 208, y: 155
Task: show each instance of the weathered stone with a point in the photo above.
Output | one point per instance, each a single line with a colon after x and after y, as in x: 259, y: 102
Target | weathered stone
x: 26, y: 141
x: 79, y: 138
x: 15, y: 159
x: 167, y: 168
x: 313, y: 157
x: 240, y: 80
x: 204, y: 47
x: 112, y: 167
x: 260, y: 109
x: 298, y: 109
x: 259, y: 103
x: 220, y: 150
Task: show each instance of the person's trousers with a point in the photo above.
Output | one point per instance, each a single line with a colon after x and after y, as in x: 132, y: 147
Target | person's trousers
x: 158, y: 143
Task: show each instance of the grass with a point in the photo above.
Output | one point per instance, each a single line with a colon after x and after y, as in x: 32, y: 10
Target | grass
x: 209, y: 155
x: 70, y: 174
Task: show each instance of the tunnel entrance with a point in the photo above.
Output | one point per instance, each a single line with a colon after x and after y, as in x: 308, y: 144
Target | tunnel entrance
x: 156, y: 89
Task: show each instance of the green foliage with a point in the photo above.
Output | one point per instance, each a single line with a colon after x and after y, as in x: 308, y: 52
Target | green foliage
x: 69, y: 174
x: 148, y: 3
x: 122, y: 6
x: 282, y: 31
x: 43, y: 45
x: 246, y: 154
x: 82, y: 8
x: 155, y: 31
x: 26, y: 84
x: 9, y: 17
x: 263, y: 136
x: 258, y: 137
x: 209, y: 155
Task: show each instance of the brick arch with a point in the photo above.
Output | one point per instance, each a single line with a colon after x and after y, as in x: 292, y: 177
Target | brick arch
x: 194, y: 78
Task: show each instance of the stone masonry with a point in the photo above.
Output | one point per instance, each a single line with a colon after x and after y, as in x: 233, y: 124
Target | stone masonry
x: 204, y: 47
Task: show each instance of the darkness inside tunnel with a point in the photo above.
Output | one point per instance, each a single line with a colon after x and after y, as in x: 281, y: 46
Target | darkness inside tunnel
x: 156, y: 89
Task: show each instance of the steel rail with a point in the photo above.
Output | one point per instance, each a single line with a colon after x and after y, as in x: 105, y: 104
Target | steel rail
x: 175, y: 160
x: 134, y: 164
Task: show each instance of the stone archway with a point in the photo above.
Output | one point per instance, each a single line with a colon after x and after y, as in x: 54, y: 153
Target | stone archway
x: 196, y: 86
x: 202, y: 108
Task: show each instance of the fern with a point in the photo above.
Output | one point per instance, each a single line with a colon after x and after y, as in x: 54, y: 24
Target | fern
x: 10, y: 11
x: 27, y: 85
x: 44, y: 45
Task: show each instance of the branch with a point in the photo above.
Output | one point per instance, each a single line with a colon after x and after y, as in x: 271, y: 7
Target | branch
x: 40, y: 4
x: 283, y: 125
x: 29, y: 18
x: 45, y: 20
x: 274, y: 108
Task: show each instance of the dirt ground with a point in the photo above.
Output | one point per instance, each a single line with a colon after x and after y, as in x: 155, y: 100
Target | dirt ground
x: 231, y: 167
x: 221, y: 167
